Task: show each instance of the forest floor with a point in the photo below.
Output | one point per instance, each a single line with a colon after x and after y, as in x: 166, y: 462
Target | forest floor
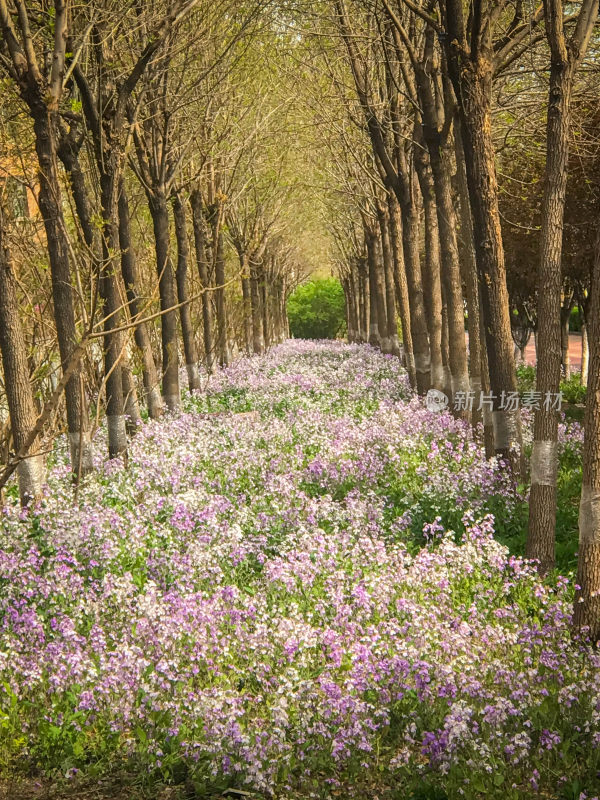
x: 305, y: 585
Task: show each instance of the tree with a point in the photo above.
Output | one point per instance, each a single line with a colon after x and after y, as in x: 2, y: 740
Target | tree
x: 106, y: 94
x: 566, y: 54
x: 187, y: 329
x: 396, y: 171
x: 587, y: 597
x: 431, y: 95
x: 129, y: 272
x: 478, y: 45
x: 40, y: 85
x: 30, y: 470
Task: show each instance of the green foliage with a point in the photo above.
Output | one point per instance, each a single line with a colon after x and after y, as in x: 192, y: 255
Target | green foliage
x: 316, y: 310
x: 572, y: 390
x: 575, y: 319
x: 525, y: 378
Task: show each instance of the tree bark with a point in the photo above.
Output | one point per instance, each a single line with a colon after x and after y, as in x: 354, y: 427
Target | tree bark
x: 450, y: 271
x: 49, y: 200
x: 185, y: 311
x: 476, y: 129
x: 565, y: 318
x: 364, y: 299
x: 585, y: 353
x: 246, y: 301
x: 133, y: 418
x: 202, y: 264
x: 129, y: 272
x: 351, y: 302
x: 401, y: 286
x: 377, y: 320
x: 221, y: 307
x: 42, y: 92
x: 68, y: 152
x: 446, y: 350
x: 388, y: 268
x: 21, y: 406
x: 258, y: 338
x: 418, y: 318
x: 432, y: 288
x: 565, y: 57
x: 157, y: 203
x: 587, y: 597
x: 266, y: 316
x: 478, y: 368
x: 109, y: 292
x: 435, y: 132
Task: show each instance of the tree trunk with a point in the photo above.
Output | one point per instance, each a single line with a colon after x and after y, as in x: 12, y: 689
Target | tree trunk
x: 49, y: 200
x: 258, y: 338
x: 222, y: 325
x: 364, y: 299
x: 388, y: 269
x: 489, y: 439
x: 435, y: 134
x: 266, y: 317
x: 587, y: 598
x: 185, y: 311
x: 476, y: 128
x: 202, y: 264
x: 585, y: 353
x: 552, y: 321
x: 477, y: 353
x: 109, y: 292
x: 68, y: 152
x: 565, y: 318
x: 432, y: 288
x: 380, y: 285
x: 350, y: 303
x: 401, y: 286
x: 21, y: 407
x: 446, y: 350
x: 346, y: 286
x: 246, y: 301
x: 157, y: 204
x: 141, y: 335
x: 354, y: 305
x: 356, y: 290
x: 279, y: 311
x: 450, y: 270
x: 133, y: 418
x: 418, y: 318
x: 377, y: 321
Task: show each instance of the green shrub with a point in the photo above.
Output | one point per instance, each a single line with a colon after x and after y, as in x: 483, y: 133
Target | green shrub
x: 572, y: 390
x: 525, y: 378
x: 316, y: 310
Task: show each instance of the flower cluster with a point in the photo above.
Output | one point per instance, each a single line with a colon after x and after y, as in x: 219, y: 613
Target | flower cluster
x: 293, y: 589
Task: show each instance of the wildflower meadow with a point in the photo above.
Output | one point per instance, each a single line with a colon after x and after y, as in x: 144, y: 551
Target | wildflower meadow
x: 299, y: 587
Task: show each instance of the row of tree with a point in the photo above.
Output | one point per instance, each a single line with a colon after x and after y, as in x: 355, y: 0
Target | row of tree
x: 143, y: 133
x: 424, y: 87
